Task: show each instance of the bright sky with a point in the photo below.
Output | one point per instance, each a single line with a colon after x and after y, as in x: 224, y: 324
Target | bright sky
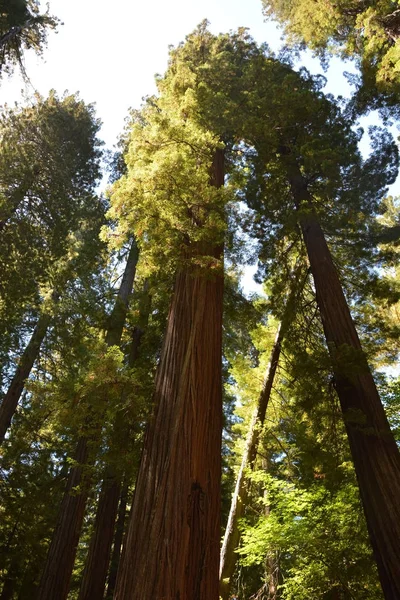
x: 110, y: 51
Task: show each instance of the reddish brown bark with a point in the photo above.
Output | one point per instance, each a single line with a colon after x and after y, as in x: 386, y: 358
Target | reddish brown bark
x: 374, y: 450
x: 24, y: 368
x: 119, y: 534
x: 57, y: 572
x: 96, y: 567
x: 97, y: 562
x: 172, y: 546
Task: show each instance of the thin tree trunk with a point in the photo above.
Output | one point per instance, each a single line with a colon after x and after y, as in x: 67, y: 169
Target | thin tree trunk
x: 374, y: 450
x: 118, y: 537
x: 172, y: 545
x: 239, y: 499
x: 96, y: 566
x: 97, y: 562
x: 57, y: 573
x: 30, y: 354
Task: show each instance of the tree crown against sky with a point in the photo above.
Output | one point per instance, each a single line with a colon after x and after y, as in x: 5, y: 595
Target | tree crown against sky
x: 365, y: 31
x: 208, y: 104
x: 22, y: 27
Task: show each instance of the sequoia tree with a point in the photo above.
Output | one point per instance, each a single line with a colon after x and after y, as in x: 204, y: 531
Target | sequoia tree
x: 49, y: 168
x: 318, y: 169
x: 116, y: 477
x: 61, y: 555
x: 178, y: 153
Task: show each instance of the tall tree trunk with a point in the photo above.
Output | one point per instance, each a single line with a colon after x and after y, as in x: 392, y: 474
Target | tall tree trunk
x: 118, y: 537
x: 374, y: 450
x: 96, y: 566
x: 30, y: 354
x: 97, y: 562
x: 172, y: 544
x: 57, y: 572
x: 239, y: 499
x: 60, y: 560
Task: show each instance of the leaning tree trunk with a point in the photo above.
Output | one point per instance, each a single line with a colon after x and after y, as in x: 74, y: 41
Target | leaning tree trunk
x: 239, y: 499
x: 375, y: 453
x: 57, y: 572
x: 172, y: 545
x: 97, y: 562
x: 30, y: 354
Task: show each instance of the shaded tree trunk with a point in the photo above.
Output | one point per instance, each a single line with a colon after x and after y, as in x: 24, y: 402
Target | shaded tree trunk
x: 97, y: 562
x: 56, y: 577
x: 172, y: 545
x: 24, y: 368
x: 96, y: 566
x: 60, y: 561
x: 118, y: 537
x: 7, y: 592
x: 374, y: 450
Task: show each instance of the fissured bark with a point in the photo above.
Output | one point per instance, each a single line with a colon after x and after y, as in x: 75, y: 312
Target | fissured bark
x: 375, y: 453
x: 172, y: 546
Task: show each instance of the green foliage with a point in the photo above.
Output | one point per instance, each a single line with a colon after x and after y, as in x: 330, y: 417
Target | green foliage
x: 22, y: 27
x: 49, y: 167
x: 304, y: 511
x: 366, y: 31
x: 321, y: 540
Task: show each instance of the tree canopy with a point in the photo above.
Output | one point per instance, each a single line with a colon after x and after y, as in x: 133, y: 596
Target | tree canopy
x: 131, y: 355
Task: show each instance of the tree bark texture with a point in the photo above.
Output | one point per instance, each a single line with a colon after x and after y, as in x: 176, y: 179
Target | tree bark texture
x: 24, y: 368
x: 56, y: 577
x: 239, y: 499
x: 61, y: 556
x: 171, y: 550
x: 96, y: 566
x: 118, y: 537
x: 374, y: 450
x: 98, y: 559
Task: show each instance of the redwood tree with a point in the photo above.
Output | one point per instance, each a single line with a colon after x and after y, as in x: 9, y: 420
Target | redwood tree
x: 320, y: 173
x: 57, y: 572
x: 173, y: 195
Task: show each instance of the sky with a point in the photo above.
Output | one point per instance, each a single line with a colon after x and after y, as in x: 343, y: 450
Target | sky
x: 110, y: 51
